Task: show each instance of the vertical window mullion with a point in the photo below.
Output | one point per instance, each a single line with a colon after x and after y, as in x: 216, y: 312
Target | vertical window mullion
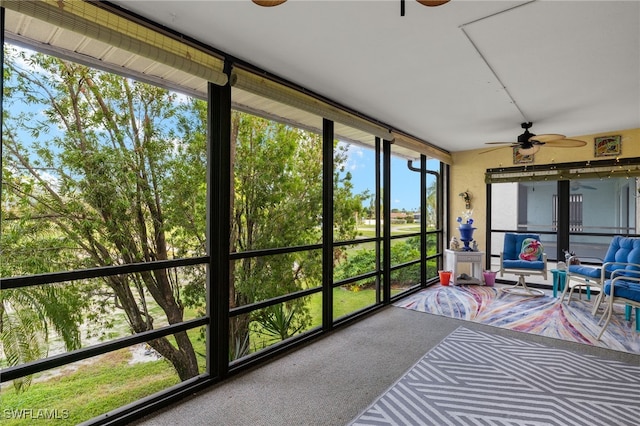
x: 563, y: 230
x: 327, y: 224
x: 386, y: 242
x: 423, y: 221
x: 218, y: 224
x: 378, y: 216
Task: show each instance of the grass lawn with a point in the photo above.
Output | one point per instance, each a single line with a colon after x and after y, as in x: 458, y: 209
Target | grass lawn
x: 93, y: 388
x: 101, y: 384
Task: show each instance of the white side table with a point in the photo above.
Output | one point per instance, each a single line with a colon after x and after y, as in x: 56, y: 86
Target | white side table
x: 453, y: 258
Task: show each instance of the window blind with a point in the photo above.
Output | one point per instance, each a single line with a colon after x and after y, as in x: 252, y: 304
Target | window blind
x: 94, y: 22
x: 421, y: 147
x: 604, y: 169
x: 278, y: 92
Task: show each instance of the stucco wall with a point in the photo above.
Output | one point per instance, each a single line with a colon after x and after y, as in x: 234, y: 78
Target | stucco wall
x: 468, y: 169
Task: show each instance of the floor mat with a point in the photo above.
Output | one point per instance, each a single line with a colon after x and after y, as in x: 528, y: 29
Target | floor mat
x: 476, y: 378
x: 543, y: 315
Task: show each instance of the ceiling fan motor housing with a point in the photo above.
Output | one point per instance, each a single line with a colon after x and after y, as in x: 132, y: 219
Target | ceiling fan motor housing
x: 524, y: 139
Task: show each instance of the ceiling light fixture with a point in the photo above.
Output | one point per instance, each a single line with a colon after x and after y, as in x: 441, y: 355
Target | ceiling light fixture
x: 529, y: 151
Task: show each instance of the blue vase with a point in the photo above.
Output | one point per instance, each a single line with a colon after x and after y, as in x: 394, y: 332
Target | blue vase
x: 466, y: 235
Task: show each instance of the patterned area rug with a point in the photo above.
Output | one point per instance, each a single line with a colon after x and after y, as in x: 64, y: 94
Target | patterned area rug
x: 475, y: 378
x: 537, y: 315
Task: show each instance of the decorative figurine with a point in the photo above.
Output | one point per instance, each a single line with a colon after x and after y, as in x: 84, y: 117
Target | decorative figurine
x: 474, y: 246
x: 466, y: 197
x: 454, y: 244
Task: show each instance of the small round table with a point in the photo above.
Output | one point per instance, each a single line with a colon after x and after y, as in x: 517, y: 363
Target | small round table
x: 559, y: 280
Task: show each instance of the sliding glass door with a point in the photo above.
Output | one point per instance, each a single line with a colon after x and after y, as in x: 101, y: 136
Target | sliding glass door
x: 599, y: 208
x: 578, y: 215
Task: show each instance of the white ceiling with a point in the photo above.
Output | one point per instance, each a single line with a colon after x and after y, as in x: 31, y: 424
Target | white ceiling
x: 448, y: 75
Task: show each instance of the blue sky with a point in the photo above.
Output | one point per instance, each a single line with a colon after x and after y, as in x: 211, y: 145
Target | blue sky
x: 361, y: 163
x: 405, y: 184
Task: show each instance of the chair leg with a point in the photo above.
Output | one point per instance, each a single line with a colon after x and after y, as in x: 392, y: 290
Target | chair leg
x: 596, y: 303
x: 521, y: 289
x: 565, y: 290
x: 608, y: 312
x: 570, y: 294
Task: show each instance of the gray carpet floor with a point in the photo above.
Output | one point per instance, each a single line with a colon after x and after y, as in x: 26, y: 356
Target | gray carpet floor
x: 332, y: 380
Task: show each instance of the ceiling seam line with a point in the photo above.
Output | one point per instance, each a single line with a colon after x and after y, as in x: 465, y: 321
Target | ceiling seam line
x: 513, y: 101
x: 496, y: 13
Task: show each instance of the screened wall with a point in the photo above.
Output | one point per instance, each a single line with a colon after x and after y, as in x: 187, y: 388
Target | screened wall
x: 575, y: 207
x: 167, y: 222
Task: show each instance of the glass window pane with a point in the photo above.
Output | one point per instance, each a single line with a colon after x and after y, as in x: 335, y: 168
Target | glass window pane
x: 354, y: 191
x: 277, y: 184
x: 354, y: 297
x: 405, y: 250
x: 57, y: 318
x: 523, y: 206
x: 89, y: 388
x: 354, y: 260
x: 432, y: 249
x: 605, y: 205
x: 261, y: 278
x: 274, y: 324
x: 433, y: 221
x: 405, y: 195
x: 589, y: 248
x: 98, y: 169
x: 405, y: 278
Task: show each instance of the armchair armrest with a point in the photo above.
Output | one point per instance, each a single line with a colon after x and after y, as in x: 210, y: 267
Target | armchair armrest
x: 622, y: 272
x: 624, y: 278
x: 581, y: 258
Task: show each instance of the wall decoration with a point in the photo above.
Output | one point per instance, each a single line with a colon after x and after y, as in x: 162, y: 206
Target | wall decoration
x: 466, y: 196
x: 605, y: 146
x: 519, y: 158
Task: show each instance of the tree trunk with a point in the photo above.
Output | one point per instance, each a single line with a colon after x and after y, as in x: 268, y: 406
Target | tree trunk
x: 183, y: 357
x: 239, y: 342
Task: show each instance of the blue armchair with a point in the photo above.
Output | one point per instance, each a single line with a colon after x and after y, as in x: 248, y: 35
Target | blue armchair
x: 622, y: 253
x: 523, y: 255
x: 623, y: 288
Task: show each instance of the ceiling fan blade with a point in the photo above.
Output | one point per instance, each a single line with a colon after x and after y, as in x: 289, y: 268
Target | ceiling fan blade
x: 433, y: 3
x: 494, y: 149
x: 566, y: 143
x: 546, y: 137
x: 502, y: 143
x: 577, y: 186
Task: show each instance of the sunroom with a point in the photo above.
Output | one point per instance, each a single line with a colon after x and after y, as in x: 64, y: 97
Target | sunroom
x: 178, y: 209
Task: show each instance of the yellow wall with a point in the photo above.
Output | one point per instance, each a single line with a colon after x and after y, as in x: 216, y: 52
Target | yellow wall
x: 469, y: 167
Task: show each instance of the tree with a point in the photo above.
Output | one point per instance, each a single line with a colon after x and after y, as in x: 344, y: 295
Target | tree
x: 27, y: 314
x: 25, y: 318
x: 126, y: 183
x: 277, y: 203
x: 112, y: 151
x: 432, y: 204
x: 363, y: 261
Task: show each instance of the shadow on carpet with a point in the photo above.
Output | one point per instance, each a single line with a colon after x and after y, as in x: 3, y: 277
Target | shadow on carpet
x: 543, y: 315
x: 476, y: 378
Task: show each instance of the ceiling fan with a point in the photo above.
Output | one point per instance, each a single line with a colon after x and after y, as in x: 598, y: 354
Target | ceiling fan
x: 529, y: 143
x: 575, y: 186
